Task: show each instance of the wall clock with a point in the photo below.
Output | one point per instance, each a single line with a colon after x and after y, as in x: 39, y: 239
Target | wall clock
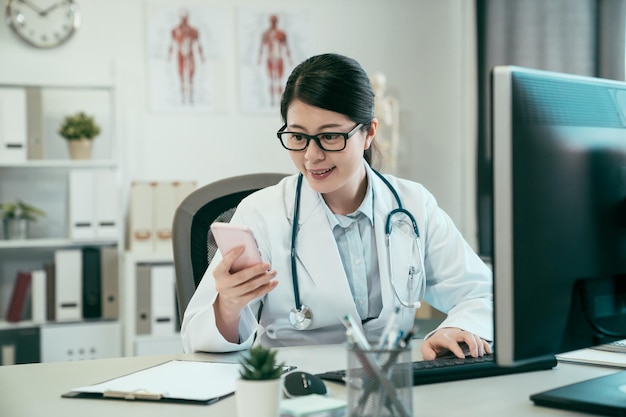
x: 43, y: 23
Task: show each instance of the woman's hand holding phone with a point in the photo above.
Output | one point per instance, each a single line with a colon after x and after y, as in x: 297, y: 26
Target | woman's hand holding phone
x: 229, y: 236
x: 240, y: 277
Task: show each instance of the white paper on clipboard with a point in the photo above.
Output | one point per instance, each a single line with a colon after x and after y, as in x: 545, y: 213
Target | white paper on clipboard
x: 175, y: 380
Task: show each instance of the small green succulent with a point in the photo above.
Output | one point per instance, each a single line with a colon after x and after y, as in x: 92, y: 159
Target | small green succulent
x: 259, y: 363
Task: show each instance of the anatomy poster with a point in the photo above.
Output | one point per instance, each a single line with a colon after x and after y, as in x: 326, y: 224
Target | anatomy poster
x: 271, y: 43
x: 187, y: 45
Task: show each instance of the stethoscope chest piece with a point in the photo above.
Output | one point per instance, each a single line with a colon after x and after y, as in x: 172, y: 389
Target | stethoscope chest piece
x: 300, y: 318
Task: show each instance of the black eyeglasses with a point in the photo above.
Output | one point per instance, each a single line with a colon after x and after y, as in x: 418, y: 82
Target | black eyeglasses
x: 327, y: 141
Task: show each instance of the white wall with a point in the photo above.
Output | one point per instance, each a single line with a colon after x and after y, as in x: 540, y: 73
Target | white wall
x: 425, y: 48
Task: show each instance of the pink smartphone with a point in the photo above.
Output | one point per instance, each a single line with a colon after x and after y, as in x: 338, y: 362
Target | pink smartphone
x: 228, y: 236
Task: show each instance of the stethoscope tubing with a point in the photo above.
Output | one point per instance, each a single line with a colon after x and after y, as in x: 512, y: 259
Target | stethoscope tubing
x: 301, y: 310
x: 294, y: 233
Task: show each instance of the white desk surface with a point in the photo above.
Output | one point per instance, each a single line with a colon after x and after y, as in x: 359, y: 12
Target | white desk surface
x: 34, y: 390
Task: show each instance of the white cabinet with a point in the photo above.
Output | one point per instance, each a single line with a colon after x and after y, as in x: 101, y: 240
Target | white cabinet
x: 80, y: 341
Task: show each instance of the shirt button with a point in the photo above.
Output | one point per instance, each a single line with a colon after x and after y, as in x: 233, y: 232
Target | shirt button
x: 357, y: 262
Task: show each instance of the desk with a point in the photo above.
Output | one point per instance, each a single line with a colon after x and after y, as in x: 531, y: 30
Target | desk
x: 35, y: 389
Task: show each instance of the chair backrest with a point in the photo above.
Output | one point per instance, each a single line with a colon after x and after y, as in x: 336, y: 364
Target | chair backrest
x: 192, y: 240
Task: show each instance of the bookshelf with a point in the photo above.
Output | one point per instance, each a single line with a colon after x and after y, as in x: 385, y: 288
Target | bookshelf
x: 38, y: 171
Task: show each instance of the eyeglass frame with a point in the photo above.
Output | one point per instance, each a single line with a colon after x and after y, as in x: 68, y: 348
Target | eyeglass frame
x: 317, y: 140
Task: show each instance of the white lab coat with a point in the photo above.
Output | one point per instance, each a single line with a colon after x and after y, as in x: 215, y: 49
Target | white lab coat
x: 458, y: 282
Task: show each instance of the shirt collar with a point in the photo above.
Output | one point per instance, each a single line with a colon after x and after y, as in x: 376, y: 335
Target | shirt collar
x: 366, y: 208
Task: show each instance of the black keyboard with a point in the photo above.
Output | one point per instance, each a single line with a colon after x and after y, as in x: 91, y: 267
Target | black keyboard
x: 450, y: 368
x: 618, y: 346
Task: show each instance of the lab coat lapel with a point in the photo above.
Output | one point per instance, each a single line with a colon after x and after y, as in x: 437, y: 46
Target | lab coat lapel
x: 319, y: 259
x: 381, y: 209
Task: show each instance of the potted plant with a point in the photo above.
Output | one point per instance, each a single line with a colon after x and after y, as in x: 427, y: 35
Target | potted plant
x: 79, y: 130
x: 16, y: 217
x: 258, y: 391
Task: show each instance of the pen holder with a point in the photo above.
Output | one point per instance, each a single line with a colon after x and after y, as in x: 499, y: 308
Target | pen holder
x: 379, y: 383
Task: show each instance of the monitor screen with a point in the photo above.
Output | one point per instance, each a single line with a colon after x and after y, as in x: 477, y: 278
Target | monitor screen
x: 559, y: 212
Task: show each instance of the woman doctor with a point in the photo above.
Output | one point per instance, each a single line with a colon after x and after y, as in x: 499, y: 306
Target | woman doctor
x: 342, y: 262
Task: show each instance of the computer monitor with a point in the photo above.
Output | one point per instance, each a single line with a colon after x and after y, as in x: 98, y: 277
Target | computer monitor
x: 559, y: 212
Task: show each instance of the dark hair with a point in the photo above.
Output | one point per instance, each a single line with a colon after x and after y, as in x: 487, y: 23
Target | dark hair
x: 333, y: 82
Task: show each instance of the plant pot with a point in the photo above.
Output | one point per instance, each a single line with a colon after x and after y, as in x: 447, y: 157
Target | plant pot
x: 258, y: 398
x: 80, y: 149
x: 15, y: 229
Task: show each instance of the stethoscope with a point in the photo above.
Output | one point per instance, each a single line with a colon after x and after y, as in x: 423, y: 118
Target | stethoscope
x: 301, y: 316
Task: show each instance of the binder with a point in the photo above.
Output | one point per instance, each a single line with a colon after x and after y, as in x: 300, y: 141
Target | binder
x: 106, y: 204
x: 68, y: 279
x: 12, y: 125
x: 143, y: 318
x: 20, y: 345
x: 81, y: 204
x: 21, y: 289
x: 152, y: 208
x: 7, y: 354
x: 183, y: 189
x: 140, y: 217
x: 50, y: 291
x: 34, y: 124
x: 162, y: 300
x: 163, y: 205
x: 109, y: 265
x: 92, y: 297
x: 38, y: 295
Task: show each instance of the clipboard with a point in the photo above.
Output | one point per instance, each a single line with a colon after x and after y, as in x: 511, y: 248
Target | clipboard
x: 175, y: 381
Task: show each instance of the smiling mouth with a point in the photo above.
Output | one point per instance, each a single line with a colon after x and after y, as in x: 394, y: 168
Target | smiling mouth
x: 320, y: 171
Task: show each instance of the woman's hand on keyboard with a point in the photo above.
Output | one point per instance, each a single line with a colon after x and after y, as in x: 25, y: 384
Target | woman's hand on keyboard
x: 451, y: 339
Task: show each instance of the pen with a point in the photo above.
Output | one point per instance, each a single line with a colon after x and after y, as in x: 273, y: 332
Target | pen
x: 357, y: 334
x: 391, y: 323
x: 394, y: 339
x: 407, y: 338
x: 412, y: 272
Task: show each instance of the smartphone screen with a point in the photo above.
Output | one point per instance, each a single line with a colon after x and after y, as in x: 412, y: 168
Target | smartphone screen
x: 228, y: 236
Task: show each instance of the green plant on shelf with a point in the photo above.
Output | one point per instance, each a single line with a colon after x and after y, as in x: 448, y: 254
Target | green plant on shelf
x: 20, y: 210
x: 79, y: 126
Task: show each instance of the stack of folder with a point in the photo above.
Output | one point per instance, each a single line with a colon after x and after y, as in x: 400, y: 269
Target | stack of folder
x: 81, y: 283
x: 152, y: 207
x: 93, y: 204
x: 156, y: 313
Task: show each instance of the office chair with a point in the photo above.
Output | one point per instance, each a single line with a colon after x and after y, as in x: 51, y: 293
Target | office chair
x: 192, y: 240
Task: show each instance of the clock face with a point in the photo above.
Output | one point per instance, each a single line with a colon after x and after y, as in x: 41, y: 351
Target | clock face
x: 43, y: 23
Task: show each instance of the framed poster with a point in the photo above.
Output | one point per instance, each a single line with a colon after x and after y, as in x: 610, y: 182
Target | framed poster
x: 186, y: 47
x: 272, y: 41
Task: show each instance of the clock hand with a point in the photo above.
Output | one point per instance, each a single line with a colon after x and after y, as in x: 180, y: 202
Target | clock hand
x: 49, y: 9
x: 31, y: 5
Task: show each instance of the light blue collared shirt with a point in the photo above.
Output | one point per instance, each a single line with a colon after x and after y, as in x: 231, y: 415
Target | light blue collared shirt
x: 356, y: 242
